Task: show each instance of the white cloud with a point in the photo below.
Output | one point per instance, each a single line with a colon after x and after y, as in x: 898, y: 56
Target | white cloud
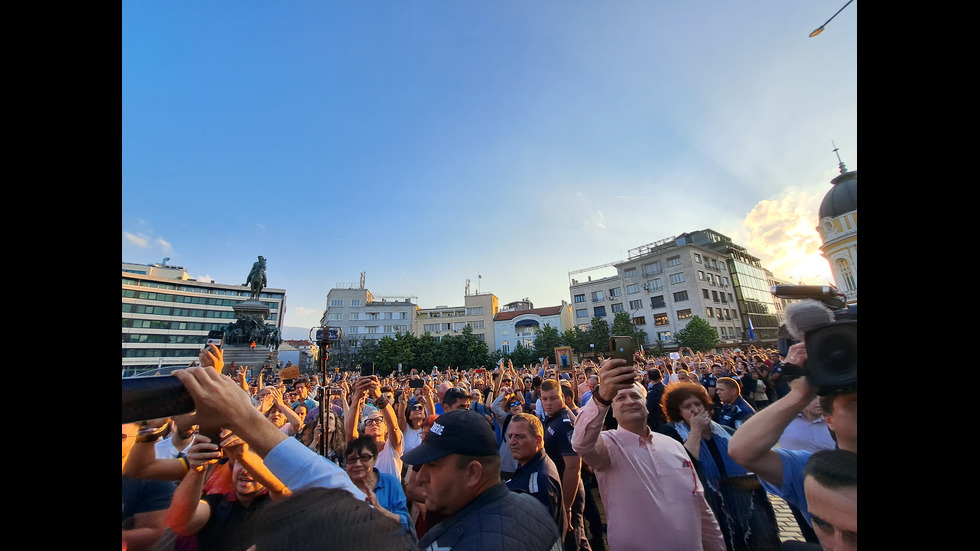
x: 141, y: 241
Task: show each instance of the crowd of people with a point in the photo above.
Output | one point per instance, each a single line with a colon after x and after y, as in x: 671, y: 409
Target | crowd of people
x: 684, y: 450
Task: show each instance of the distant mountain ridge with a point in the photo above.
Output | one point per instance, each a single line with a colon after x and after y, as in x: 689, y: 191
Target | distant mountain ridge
x: 295, y: 333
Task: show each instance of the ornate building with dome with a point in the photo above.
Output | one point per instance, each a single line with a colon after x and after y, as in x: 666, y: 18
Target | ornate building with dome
x: 838, y: 232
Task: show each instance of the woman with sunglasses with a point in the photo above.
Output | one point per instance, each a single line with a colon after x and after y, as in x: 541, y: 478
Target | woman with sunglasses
x: 384, y: 491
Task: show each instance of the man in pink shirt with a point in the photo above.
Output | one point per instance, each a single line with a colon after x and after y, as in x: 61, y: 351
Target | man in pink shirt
x: 671, y: 513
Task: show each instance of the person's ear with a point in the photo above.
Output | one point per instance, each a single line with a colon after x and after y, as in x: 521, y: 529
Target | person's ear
x: 474, y: 473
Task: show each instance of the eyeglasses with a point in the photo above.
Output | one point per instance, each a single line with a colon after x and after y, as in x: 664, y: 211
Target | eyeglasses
x: 363, y: 458
x: 505, y: 380
x: 512, y: 404
x: 418, y: 407
x: 373, y: 421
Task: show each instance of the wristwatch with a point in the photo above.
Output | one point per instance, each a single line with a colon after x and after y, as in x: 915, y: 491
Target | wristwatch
x: 598, y: 397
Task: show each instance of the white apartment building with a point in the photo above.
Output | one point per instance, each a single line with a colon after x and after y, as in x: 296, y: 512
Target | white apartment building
x: 364, y: 317
x: 665, y: 283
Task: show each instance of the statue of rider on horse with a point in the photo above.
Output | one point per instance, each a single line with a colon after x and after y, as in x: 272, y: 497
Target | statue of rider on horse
x: 256, y: 278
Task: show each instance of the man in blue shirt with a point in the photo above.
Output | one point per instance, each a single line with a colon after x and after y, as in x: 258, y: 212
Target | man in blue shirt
x: 537, y: 474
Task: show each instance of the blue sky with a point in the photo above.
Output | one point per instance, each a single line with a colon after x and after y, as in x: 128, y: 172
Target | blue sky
x: 430, y: 142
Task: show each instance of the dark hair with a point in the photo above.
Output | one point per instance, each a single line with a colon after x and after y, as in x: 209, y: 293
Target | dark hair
x: 730, y: 383
x: 676, y: 394
x: 835, y: 468
x: 362, y: 443
x: 454, y: 394
x: 325, y: 518
x: 550, y: 384
x: 655, y: 374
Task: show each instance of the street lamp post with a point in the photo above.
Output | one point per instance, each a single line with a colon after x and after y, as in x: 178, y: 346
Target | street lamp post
x: 819, y: 29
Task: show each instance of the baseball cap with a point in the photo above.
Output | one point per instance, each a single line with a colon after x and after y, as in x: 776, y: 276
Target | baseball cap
x: 462, y: 431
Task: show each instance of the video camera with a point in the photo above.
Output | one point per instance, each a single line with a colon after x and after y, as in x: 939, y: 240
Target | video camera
x: 830, y: 334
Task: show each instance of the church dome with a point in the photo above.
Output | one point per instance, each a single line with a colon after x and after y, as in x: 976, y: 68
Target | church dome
x: 842, y: 197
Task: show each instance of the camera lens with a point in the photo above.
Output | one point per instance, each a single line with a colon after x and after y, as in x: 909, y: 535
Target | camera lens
x: 832, y: 356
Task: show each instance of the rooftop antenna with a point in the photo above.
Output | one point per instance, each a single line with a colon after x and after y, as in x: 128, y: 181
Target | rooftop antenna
x: 363, y: 274
x: 843, y: 169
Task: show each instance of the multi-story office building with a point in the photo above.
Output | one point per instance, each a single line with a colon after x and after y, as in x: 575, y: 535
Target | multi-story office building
x: 477, y: 311
x: 364, y: 317
x: 663, y: 284
x: 520, y: 326
x: 166, y: 314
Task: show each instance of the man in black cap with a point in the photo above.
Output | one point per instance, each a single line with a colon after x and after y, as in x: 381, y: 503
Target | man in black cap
x: 459, y: 476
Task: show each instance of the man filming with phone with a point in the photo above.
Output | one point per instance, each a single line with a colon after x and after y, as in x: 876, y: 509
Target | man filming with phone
x: 646, y: 478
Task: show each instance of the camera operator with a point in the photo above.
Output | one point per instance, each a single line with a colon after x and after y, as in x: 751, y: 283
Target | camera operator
x: 752, y: 446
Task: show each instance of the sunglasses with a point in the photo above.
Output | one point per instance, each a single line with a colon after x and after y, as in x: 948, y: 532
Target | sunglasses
x: 512, y: 404
x: 363, y: 458
x: 417, y: 407
x: 505, y: 380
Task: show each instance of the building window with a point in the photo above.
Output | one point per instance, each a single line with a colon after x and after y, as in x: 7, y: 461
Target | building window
x: 640, y: 320
x: 710, y: 311
x: 618, y: 307
x: 505, y: 347
x: 636, y: 305
x: 684, y: 314
x: 652, y: 268
x: 846, y: 274
x: 680, y: 296
x: 657, y: 302
x: 673, y: 261
x: 677, y: 278
x: 660, y: 319
x: 355, y: 302
x: 478, y: 324
x: 579, y: 298
x: 697, y: 258
x: 730, y: 298
x: 632, y: 288
x: 354, y: 316
x: 654, y: 285
x: 597, y: 296
x: 335, y: 317
x: 336, y: 302
x: 707, y: 295
x: 600, y: 311
x: 431, y: 327
x: 714, y: 295
x: 478, y: 311
x: 665, y: 336
x: 700, y: 275
x: 353, y: 330
x: 581, y: 313
x: 629, y: 272
x: 480, y: 337
x: 723, y: 299
x: 615, y: 292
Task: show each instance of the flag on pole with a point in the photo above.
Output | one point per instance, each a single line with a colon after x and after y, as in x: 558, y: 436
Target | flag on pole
x: 751, y: 330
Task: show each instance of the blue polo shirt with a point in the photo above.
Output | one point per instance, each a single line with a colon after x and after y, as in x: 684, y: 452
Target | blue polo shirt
x: 539, y: 477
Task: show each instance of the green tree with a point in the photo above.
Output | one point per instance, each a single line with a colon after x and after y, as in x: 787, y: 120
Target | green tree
x: 577, y: 339
x: 394, y: 351
x: 545, y: 342
x: 698, y: 335
x: 598, y: 334
x: 623, y: 325
x: 367, y: 352
x: 522, y: 356
x: 426, y: 352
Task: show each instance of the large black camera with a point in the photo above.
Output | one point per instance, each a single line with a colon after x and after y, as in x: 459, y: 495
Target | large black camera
x: 831, y: 344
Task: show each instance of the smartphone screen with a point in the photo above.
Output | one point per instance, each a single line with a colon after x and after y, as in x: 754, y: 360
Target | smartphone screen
x: 367, y: 369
